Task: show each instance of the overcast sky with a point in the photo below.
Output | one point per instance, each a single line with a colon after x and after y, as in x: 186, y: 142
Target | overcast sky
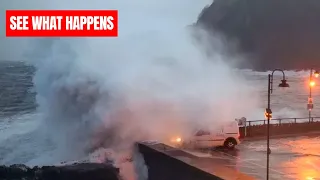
x: 14, y: 48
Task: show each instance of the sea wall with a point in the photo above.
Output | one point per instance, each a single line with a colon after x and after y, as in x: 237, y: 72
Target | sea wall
x: 164, y: 167
x: 279, y: 129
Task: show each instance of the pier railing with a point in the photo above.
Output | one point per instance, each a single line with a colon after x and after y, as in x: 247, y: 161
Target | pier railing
x: 282, y: 121
x: 279, y: 126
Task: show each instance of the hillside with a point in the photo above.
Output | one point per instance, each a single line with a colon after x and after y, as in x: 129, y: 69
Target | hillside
x: 278, y: 33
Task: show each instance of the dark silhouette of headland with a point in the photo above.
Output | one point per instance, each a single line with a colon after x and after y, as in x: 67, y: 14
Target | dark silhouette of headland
x: 273, y: 33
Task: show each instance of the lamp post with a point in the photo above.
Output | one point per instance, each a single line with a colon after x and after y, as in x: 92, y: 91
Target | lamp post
x: 268, y: 112
x: 311, y: 85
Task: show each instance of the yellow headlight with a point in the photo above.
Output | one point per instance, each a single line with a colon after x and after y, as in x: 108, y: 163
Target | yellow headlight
x: 176, y: 140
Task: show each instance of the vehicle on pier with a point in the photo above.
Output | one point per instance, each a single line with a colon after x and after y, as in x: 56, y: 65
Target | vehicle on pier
x: 227, y: 136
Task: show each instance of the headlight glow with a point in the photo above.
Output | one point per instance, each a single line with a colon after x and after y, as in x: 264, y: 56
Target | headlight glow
x: 176, y: 140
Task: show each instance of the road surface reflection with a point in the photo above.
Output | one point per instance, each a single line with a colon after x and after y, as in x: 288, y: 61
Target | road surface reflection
x: 291, y: 158
x: 306, y: 163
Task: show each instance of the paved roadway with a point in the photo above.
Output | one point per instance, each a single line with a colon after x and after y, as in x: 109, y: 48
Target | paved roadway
x: 291, y: 158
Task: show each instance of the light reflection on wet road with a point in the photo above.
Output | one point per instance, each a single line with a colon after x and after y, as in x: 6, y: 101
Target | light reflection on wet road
x: 291, y: 158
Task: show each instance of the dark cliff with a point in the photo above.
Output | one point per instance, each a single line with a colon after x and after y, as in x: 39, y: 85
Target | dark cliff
x: 276, y: 33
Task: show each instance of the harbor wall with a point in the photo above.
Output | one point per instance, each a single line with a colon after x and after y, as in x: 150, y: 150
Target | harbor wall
x: 161, y: 166
x: 279, y: 129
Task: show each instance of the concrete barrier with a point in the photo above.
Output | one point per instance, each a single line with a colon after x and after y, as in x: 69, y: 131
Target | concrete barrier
x: 164, y: 167
x: 279, y: 129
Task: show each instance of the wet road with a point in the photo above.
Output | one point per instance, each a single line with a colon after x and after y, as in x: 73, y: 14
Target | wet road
x: 291, y: 158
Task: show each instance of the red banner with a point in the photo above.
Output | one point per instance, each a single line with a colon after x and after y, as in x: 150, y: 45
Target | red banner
x: 61, y: 23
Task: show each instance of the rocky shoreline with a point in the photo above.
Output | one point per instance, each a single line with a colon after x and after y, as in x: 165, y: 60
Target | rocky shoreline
x: 81, y: 171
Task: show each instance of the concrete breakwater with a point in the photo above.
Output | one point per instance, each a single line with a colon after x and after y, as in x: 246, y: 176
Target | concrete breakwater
x: 162, y: 165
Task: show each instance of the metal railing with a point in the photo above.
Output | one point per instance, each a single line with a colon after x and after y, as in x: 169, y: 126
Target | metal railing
x: 283, y: 121
x: 248, y: 126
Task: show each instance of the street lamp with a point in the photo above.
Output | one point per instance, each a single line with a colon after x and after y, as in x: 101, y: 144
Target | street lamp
x: 316, y: 74
x: 311, y: 85
x: 268, y: 112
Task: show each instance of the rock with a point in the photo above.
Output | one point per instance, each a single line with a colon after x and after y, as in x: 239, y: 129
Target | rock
x: 83, y: 171
x: 276, y: 34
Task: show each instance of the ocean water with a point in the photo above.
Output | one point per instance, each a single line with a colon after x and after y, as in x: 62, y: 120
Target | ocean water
x: 20, y: 119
